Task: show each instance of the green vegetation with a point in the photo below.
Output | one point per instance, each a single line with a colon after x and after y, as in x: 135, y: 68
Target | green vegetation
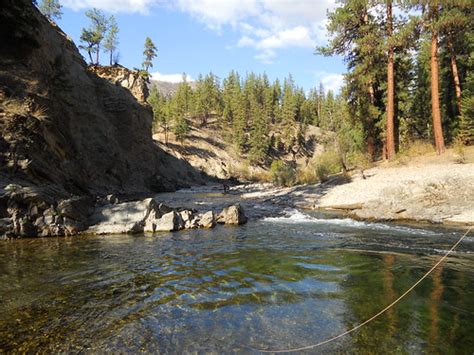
x: 149, y: 53
x: 429, y: 60
x: 282, y: 173
x: 111, y: 40
x: 51, y: 9
x: 410, y: 81
x: 260, y: 119
x: 93, y: 36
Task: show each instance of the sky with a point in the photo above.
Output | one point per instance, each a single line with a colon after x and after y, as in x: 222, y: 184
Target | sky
x: 277, y: 37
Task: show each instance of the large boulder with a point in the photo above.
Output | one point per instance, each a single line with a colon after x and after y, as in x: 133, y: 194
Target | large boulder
x: 77, y: 208
x: 232, y: 215
x: 169, y: 222
x: 127, y: 217
x: 207, y: 220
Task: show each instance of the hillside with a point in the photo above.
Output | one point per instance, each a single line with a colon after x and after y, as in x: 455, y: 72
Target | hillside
x: 166, y: 87
x: 207, y: 150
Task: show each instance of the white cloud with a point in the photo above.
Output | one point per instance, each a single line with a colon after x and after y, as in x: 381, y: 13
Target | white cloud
x: 299, y: 36
x: 246, y: 42
x: 330, y: 81
x: 266, y: 56
x: 265, y: 25
x: 170, y: 78
x: 128, y: 6
x: 216, y: 13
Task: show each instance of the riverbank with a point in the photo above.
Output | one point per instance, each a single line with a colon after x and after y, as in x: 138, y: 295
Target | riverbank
x: 428, y: 189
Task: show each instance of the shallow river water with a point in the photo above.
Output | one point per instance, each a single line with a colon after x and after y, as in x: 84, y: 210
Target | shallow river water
x: 272, y: 284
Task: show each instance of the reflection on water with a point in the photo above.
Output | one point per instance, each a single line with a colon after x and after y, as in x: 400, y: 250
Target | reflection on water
x: 267, y: 285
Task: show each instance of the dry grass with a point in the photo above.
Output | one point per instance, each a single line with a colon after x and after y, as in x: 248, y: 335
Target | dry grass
x: 243, y: 171
x: 14, y: 107
x: 413, y: 150
x: 459, y: 151
x: 40, y: 113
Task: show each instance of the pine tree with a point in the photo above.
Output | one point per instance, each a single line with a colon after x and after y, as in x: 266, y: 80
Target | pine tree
x: 181, y: 109
x: 93, y: 36
x: 208, y: 98
x: 231, y: 89
x: 111, y: 39
x: 390, y: 128
x: 432, y: 18
x: 356, y: 34
x: 466, y: 129
x: 288, y: 112
x: 161, y: 111
x: 51, y: 9
x: 149, y: 53
x: 455, y: 22
x: 277, y: 98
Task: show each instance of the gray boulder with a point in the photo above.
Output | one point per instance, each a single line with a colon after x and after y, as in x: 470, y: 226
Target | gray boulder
x: 127, y: 217
x: 169, y: 222
x: 207, y: 220
x: 232, y: 215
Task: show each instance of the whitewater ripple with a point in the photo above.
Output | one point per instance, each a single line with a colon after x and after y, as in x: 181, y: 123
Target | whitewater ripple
x: 294, y: 216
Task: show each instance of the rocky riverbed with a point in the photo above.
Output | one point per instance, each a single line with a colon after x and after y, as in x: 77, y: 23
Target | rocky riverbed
x: 435, y: 193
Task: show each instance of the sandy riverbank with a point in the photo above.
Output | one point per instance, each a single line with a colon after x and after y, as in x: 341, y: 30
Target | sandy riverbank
x: 433, y: 190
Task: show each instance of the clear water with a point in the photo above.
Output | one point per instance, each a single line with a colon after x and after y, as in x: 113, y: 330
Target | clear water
x: 276, y: 283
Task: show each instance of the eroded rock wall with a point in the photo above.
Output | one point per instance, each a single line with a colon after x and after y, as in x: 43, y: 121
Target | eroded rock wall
x: 69, y: 128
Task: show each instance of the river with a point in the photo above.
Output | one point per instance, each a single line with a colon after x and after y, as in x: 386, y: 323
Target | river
x: 275, y: 283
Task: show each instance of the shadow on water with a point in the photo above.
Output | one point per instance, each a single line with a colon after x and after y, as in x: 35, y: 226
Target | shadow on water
x: 266, y: 285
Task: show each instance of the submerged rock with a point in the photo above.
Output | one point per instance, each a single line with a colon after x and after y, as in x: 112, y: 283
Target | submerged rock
x: 232, y: 215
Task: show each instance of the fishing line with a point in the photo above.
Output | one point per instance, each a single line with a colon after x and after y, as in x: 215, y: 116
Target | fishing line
x: 329, y: 340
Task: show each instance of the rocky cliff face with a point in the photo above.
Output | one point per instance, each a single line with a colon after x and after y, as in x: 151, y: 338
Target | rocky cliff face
x: 67, y: 130
x: 132, y: 80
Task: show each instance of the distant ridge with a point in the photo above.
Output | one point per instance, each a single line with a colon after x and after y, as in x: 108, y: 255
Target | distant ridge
x: 166, y: 87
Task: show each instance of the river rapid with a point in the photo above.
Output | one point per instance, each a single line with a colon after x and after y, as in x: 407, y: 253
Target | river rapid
x: 276, y: 283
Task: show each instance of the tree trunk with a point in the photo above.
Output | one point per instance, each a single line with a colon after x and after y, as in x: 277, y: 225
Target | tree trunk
x: 97, y: 55
x: 454, y: 70
x: 390, y: 136
x: 435, y: 110
x: 371, y: 129
x: 90, y: 55
x: 111, y: 52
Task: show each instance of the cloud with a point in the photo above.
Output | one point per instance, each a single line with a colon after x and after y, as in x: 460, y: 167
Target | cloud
x: 126, y: 6
x: 330, y: 81
x: 170, y: 78
x: 299, y: 36
x: 246, y: 42
x: 216, y: 13
x: 265, y: 25
x: 267, y: 56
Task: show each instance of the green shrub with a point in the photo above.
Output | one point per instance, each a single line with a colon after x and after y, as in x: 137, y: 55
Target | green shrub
x: 459, y: 151
x: 326, y: 164
x: 282, y: 174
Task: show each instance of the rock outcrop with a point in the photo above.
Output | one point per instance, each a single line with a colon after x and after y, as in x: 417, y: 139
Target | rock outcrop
x: 70, y: 130
x: 149, y: 216
x: 133, y: 80
x: 63, y: 124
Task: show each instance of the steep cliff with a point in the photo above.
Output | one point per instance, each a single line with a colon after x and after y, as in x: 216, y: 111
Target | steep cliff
x: 65, y: 125
x: 66, y: 130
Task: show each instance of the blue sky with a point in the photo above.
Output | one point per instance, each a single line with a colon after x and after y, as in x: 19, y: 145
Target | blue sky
x: 198, y: 36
